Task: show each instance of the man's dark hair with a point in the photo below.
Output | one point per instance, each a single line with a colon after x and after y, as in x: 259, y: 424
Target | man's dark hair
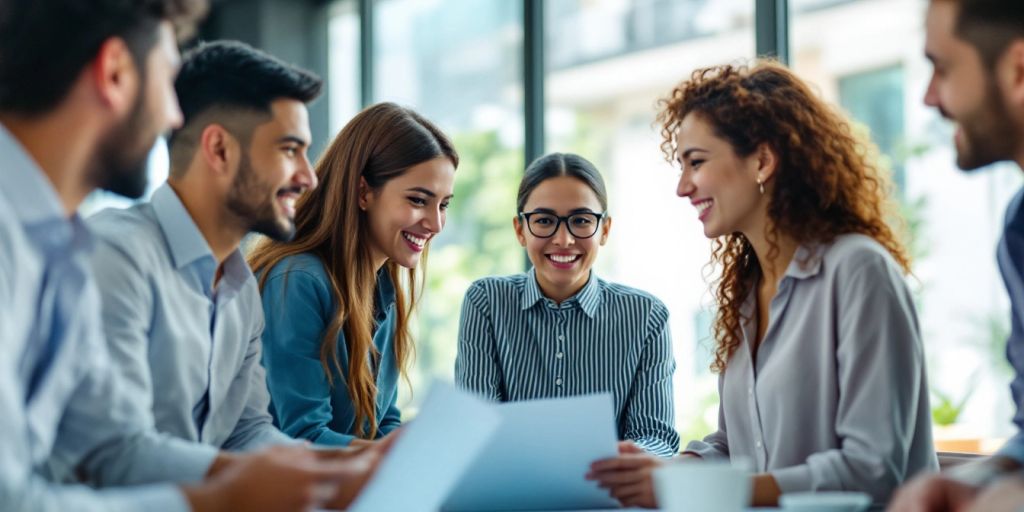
x: 45, y: 44
x: 990, y: 26
x: 227, y: 79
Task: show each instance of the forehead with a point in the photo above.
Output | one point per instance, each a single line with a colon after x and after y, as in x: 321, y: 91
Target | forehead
x: 287, y: 117
x: 940, y: 24
x: 562, y: 194
x: 436, y: 175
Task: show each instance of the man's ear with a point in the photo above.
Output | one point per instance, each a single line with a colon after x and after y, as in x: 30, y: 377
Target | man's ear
x: 518, y: 226
x: 116, y: 77
x: 219, y: 149
x: 1010, y: 74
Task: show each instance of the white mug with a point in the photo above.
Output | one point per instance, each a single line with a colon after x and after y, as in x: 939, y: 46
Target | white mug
x: 705, y: 486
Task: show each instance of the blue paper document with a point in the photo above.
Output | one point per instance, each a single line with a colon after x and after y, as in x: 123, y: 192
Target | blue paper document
x: 433, y: 451
x: 538, y: 457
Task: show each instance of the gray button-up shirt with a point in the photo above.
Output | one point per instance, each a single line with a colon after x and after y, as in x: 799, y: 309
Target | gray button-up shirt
x: 835, y: 397
x: 189, y: 351
x: 60, y: 405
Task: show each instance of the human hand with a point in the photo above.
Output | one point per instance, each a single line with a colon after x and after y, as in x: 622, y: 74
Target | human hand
x: 627, y: 476
x: 1005, y: 495
x: 933, y: 493
x: 360, y: 463
x: 280, y: 479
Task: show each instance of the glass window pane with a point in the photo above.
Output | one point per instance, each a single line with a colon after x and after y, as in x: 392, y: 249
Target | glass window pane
x: 458, y: 63
x: 343, y: 79
x: 867, y: 57
x: 608, y: 62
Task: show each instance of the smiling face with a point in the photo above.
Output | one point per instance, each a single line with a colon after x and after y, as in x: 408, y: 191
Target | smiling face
x: 562, y: 261
x: 722, y: 186
x: 274, y: 171
x: 965, y: 92
x: 407, y: 211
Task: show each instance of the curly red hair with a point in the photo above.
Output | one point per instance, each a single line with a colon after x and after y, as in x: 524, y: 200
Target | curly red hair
x: 827, y: 182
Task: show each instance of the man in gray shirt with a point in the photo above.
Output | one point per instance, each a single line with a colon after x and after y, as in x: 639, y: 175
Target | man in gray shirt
x: 181, y: 309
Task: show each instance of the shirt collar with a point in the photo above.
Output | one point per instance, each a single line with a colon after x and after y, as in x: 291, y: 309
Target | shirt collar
x: 806, y: 261
x: 24, y: 185
x: 34, y: 201
x: 186, y: 242
x: 587, y: 299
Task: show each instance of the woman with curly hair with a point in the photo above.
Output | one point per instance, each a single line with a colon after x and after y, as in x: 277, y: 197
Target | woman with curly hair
x: 822, y: 382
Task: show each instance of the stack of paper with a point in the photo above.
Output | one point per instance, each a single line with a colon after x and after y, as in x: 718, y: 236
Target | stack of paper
x: 467, y: 455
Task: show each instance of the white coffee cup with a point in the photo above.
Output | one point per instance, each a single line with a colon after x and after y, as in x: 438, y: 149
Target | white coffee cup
x: 707, y: 486
x: 825, y: 501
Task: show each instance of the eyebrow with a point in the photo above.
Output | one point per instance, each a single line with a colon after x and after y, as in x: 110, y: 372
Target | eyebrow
x: 294, y: 139
x: 571, y: 212
x: 427, y: 192
x: 690, y: 151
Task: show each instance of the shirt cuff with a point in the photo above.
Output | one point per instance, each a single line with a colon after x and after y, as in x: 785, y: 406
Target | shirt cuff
x: 793, y: 479
x: 331, y: 438
x: 705, y: 450
x: 1013, y: 449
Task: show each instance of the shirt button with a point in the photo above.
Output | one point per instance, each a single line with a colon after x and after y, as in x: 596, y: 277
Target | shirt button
x: 558, y: 381
x: 758, y: 444
x: 561, y: 338
x: 750, y: 391
x: 559, y: 355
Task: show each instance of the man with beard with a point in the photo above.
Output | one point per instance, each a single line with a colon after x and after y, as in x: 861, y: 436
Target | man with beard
x: 85, y: 87
x: 181, y: 309
x: 977, y: 50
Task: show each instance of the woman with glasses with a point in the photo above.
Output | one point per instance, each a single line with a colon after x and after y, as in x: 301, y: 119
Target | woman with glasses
x: 559, y: 330
x: 822, y: 380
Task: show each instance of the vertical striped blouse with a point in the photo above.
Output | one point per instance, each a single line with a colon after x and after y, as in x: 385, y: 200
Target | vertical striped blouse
x: 515, y: 344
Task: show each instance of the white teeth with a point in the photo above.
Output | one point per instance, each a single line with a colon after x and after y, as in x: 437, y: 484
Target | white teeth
x: 289, y: 202
x: 415, y: 239
x: 563, y: 258
x: 702, y: 207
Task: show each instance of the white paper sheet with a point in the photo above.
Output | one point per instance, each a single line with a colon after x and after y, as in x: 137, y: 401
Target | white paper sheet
x: 538, y: 457
x: 432, y: 453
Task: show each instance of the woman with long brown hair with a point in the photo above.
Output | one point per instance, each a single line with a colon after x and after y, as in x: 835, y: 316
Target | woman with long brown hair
x: 822, y: 382
x: 338, y: 297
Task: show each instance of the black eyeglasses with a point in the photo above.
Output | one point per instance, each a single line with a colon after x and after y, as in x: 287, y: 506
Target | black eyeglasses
x: 544, y: 224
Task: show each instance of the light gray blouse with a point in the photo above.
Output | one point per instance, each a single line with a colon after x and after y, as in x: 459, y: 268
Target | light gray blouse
x: 836, y: 397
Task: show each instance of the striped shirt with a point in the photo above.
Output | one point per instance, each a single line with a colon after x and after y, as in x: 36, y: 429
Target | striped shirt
x: 515, y: 344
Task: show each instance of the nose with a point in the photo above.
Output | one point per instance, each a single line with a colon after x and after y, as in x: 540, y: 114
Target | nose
x: 931, y: 94
x: 434, y: 221
x: 685, y: 186
x: 306, y: 176
x: 562, y: 236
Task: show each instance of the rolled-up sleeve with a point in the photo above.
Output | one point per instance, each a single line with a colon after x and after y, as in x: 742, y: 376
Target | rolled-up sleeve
x: 880, y: 370
x: 476, y: 365
x: 650, y: 413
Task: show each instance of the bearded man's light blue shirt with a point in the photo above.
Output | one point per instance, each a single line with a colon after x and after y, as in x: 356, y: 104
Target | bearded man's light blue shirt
x: 187, y: 349
x: 60, y: 404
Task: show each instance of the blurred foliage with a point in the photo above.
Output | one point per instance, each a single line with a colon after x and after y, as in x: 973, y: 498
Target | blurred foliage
x: 477, y: 241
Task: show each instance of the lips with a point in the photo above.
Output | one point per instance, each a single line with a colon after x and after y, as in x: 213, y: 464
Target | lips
x: 703, y: 207
x: 414, y: 241
x: 563, y: 261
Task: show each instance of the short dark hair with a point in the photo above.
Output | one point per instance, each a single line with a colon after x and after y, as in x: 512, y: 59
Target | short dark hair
x: 45, y: 44
x: 561, y: 164
x: 990, y: 26
x: 234, y: 78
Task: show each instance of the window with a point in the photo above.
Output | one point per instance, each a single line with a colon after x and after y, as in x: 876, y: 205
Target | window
x: 609, y: 62
x: 867, y: 56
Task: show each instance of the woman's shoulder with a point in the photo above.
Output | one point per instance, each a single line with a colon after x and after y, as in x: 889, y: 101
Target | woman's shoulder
x: 305, y: 268
x: 495, y: 287
x: 850, y: 252
x: 633, y: 295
